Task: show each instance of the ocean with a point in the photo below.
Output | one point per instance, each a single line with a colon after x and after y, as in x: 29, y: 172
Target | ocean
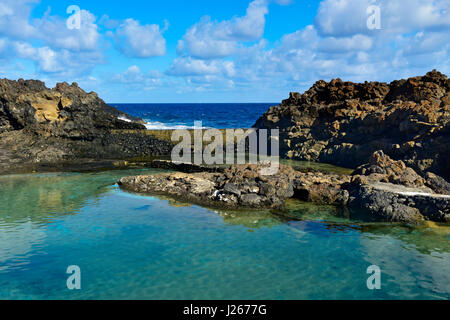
x: 182, y: 115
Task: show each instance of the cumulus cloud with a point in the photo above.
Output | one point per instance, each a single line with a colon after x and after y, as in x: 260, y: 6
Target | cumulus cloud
x: 219, y: 55
x: 55, y: 49
x: 349, y: 17
x: 414, y: 38
x: 14, y: 18
x: 195, y: 67
x: 140, y: 41
x: 134, y: 77
x: 210, y: 39
x: 53, y: 31
x: 16, y: 24
x: 134, y: 74
x: 63, y: 63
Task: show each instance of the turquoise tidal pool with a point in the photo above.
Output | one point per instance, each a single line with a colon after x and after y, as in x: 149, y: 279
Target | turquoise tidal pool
x: 129, y: 246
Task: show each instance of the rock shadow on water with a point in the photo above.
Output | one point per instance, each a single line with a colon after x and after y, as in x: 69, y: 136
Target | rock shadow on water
x: 427, y: 238
x: 322, y: 220
x: 248, y: 218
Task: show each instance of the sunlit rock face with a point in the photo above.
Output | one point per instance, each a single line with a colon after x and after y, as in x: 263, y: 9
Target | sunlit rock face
x: 343, y: 123
x: 64, y: 111
x: 42, y: 125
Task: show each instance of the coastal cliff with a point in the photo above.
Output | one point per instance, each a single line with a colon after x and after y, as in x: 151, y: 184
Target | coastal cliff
x: 65, y: 124
x: 343, y: 123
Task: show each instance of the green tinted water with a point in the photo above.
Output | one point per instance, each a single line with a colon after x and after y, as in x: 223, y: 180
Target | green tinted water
x: 138, y: 247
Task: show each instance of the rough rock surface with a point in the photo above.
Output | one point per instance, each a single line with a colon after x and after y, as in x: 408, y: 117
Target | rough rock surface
x: 38, y: 124
x: 391, y: 191
x: 385, y: 189
x: 343, y: 123
x: 237, y: 186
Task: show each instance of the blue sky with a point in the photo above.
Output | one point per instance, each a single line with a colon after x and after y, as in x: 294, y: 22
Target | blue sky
x: 220, y: 50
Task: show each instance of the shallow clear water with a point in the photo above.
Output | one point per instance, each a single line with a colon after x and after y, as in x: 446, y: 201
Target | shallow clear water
x: 138, y: 247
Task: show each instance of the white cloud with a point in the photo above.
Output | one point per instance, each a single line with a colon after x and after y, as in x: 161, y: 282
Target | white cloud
x: 209, y: 39
x: 53, y: 30
x: 232, y: 54
x: 339, y: 44
x: 349, y: 17
x: 14, y: 18
x: 134, y: 77
x: 61, y: 63
x: 56, y: 50
x: 140, y: 41
x: 195, y: 67
x: 355, y: 43
x: 16, y: 24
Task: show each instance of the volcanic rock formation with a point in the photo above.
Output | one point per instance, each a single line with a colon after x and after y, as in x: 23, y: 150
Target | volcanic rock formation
x: 41, y: 125
x: 343, y: 123
x: 385, y: 189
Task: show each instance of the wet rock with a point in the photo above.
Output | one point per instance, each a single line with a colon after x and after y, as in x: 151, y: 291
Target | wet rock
x: 250, y: 200
x: 396, y: 203
x: 385, y: 205
x: 383, y: 188
x: 182, y: 167
x: 438, y: 184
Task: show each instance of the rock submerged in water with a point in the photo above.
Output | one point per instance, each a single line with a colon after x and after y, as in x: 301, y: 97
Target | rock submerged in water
x: 384, y: 188
x: 343, y: 123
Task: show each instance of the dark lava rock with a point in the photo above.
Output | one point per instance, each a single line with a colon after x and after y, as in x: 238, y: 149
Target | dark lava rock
x: 41, y: 125
x: 438, y: 184
x: 393, y: 192
x: 385, y: 189
x: 343, y: 123
x: 183, y: 167
x: 235, y: 187
x: 231, y: 188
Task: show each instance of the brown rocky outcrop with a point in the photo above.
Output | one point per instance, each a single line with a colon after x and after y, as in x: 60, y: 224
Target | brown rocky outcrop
x: 41, y: 125
x: 343, y: 123
x: 383, y: 188
x: 391, y: 191
x: 236, y: 187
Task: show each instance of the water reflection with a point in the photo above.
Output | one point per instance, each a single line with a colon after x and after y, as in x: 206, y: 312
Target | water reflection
x: 29, y: 202
x: 44, y: 216
x: 39, y: 197
x: 426, y: 238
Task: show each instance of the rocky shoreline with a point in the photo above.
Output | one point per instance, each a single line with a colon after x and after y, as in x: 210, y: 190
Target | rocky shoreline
x: 397, y: 135
x: 41, y: 127
x: 343, y: 123
x: 385, y: 189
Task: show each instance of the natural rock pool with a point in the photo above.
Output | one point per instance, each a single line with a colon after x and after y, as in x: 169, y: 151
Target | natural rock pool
x: 139, y: 247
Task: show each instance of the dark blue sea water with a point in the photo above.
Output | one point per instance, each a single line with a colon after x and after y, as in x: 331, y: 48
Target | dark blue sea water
x: 183, y: 115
